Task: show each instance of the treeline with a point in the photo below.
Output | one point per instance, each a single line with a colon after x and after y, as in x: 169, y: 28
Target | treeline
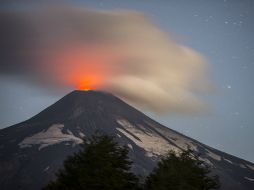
x: 102, y: 164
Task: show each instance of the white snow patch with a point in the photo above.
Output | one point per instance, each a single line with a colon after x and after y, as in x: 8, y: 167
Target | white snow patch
x: 49, y: 137
x: 130, y: 146
x: 213, y: 155
x: 181, y: 141
x: 143, y: 128
x: 206, y: 161
x: 69, y: 132
x: 242, y: 166
x: 150, y: 154
x: 229, y: 161
x: 25, y: 145
x: 250, y: 179
x: 46, y: 169
x: 119, y: 135
x: 249, y: 166
x: 150, y: 142
x: 82, y: 135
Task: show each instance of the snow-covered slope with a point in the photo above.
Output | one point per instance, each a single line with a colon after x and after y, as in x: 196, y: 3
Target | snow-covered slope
x: 32, y: 151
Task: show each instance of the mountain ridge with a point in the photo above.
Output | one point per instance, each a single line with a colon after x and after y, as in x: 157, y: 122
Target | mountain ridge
x: 33, y: 150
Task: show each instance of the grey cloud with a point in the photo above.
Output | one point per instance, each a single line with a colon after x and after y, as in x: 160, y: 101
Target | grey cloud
x: 138, y: 61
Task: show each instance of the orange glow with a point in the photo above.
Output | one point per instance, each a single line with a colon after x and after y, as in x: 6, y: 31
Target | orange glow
x: 82, y: 68
x: 88, y: 83
x: 84, y: 87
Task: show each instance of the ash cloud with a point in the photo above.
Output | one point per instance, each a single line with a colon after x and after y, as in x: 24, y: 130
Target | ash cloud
x: 123, y: 51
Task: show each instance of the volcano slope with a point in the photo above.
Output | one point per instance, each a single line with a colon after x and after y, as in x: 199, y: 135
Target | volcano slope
x: 32, y: 151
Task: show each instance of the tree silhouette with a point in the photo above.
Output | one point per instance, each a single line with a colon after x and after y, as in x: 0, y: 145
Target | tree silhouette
x: 181, y: 172
x: 101, y: 164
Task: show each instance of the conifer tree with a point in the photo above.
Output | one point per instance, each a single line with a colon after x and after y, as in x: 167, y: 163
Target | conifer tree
x: 181, y: 172
x: 101, y: 164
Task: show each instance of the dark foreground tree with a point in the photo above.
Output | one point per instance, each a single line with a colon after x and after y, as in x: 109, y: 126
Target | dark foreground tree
x: 181, y: 172
x: 101, y: 164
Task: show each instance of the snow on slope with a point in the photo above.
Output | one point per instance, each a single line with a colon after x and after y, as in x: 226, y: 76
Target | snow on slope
x: 213, y: 155
x: 178, y: 139
x: 250, y: 179
x: 151, y: 142
x: 156, y: 145
x: 251, y: 167
x: 53, y: 135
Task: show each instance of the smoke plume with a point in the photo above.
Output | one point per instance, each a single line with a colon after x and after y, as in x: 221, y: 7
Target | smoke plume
x: 122, y: 52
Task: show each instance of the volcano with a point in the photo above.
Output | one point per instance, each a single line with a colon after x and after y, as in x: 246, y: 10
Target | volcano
x: 32, y: 151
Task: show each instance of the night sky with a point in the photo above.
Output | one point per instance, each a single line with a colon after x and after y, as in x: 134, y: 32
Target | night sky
x: 222, y: 31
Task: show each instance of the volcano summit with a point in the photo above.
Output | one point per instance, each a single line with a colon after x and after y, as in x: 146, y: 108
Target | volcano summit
x: 32, y: 151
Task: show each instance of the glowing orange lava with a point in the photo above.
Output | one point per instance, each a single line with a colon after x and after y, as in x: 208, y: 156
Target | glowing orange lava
x: 88, y: 83
x: 84, y: 87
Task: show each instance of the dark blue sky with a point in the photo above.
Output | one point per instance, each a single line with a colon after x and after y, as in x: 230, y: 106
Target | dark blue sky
x: 222, y: 31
